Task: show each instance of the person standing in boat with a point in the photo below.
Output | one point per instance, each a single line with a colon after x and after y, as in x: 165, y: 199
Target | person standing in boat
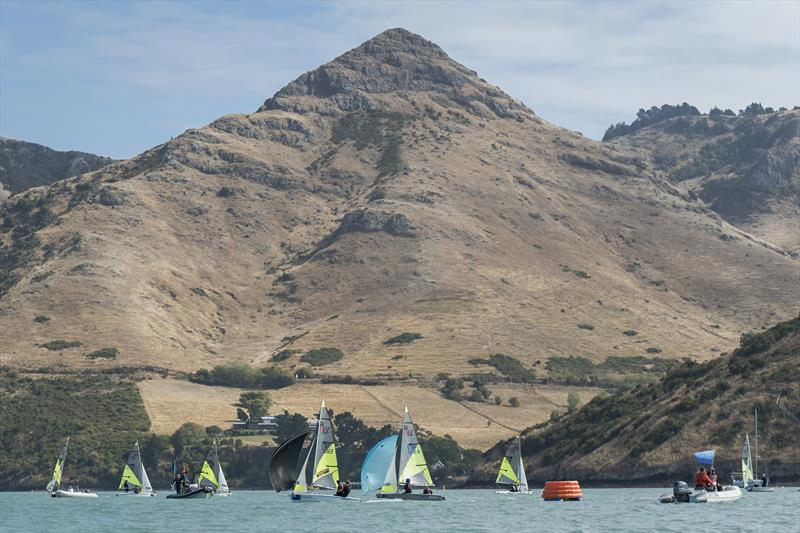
x: 407, y: 486
x: 764, y: 479
x: 125, y: 486
x: 712, y: 475
x: 346, y: 490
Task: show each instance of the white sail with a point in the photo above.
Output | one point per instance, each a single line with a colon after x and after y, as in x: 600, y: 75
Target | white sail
x: 223, y: 484
x: 523, y: 479
x: 301, y: 485
x: 412, y: 465
x: 390, y: 482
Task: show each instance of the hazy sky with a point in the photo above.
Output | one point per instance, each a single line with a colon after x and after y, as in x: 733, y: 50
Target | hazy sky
x: 117, y: 78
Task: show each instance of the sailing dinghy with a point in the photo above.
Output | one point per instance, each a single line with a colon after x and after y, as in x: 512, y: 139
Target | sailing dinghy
x: 211, y: 475
x: 386, y: 463
x: 743, y: 479
x: 512, y: 471
x: 134, y: 476
x: 755, y: 484
x: 181, y: 487
x: 318, y: 484
x: 54, y: 487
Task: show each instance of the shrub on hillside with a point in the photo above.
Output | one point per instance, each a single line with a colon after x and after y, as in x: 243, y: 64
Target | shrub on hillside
x: 512, y: 368
x: 243, y: 376
x: 403, y: 338
x: 452, y: 389
x: 283, y: 355
x: 58, y: 345
x: 322, y: 356
x: 104, y: 353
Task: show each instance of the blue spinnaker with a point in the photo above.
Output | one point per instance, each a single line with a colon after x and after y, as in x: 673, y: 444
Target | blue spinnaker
x: 705, y: 458
x: 377, y: 463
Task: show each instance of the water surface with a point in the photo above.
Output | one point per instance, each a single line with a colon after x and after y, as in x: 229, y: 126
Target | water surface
x: 464, y: 511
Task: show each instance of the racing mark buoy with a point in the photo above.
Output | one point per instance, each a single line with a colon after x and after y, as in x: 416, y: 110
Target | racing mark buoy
x: 556, y: 491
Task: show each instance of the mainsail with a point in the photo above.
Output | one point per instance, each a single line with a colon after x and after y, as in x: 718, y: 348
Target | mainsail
x: 211, y: 474
x: 59, y: 469
x: 379, y: 461
x: 326, y: 466
x: 511, y: 470
x: 134, y: 473
x: 412, y: 463
x: 747, y: 462
x: 283, y: 465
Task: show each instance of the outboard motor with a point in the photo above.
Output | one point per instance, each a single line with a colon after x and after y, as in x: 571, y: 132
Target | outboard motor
x: 681, y: 492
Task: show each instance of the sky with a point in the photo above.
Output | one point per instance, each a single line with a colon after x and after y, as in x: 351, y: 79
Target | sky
x: 116, y: 78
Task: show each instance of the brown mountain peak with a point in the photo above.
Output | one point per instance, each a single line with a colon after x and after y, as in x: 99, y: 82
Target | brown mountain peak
x: 395, y: 61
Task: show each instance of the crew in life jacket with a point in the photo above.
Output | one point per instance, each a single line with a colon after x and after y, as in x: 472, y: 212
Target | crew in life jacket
x: 701, y: 480
x: 407, y: 486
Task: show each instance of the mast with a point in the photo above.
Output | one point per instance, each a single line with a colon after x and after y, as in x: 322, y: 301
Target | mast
x: 755, y: 474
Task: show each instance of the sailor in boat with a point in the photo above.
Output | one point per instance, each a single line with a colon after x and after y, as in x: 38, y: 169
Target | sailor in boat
x: 514, y: 488
x: 701, y: 480
x: 344, y: 490
x: 407, y: 486
x: 764, y: 479
x: 125, y: 486
x: 427, y: 490
x: 712, y: 475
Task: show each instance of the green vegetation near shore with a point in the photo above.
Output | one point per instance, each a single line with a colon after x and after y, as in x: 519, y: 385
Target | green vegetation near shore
x: 716, y: 399
x: 244, y: 376
x: 104, y: 415
x: 614, y: 371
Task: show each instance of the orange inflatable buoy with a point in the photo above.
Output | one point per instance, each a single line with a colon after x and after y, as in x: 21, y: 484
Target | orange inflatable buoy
x: 555, y: 491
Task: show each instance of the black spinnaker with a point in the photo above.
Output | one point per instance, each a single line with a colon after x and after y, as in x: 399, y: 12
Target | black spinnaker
x: 283, y: 466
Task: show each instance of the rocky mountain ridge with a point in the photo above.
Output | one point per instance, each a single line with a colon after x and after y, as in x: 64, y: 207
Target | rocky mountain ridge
x: 745, y: 167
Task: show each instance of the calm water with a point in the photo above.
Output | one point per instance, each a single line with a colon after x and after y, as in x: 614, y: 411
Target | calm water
x: 464, y: 510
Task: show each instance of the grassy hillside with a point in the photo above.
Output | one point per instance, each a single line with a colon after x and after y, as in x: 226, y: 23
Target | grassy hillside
x: 648, y: 434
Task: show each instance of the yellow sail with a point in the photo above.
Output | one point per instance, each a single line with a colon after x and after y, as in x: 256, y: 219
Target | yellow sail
x: 208, y: 473
x: 506, y: 473
x: 130, y: 477
x: 57, y: 472
x: 747, y: 474
x: 328, y: 465
x: 416, y: 464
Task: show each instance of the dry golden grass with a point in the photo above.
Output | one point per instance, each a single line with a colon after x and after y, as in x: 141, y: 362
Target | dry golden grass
x: 170, y: 403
